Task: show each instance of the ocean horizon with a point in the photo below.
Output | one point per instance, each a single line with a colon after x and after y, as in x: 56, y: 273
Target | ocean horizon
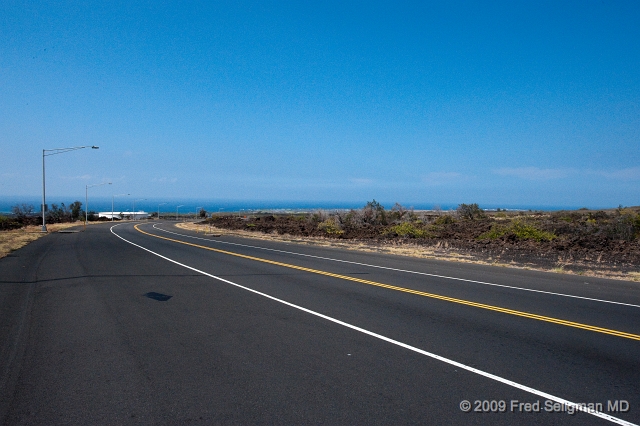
x: 212, y: 205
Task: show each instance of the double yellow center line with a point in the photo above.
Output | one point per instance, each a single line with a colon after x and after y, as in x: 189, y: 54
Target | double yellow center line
x: 408, y: 290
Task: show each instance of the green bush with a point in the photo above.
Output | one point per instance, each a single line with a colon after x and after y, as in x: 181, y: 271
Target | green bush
x: 444, y: 220
x: 523, y: 231
x: 6, y: 223
x: 624, y: 227
x: 330, y: 227
x: 407, y: 229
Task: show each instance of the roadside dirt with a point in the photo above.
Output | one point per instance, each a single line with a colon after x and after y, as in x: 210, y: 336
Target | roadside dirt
x: 13, y: 240
x: 582, y: 243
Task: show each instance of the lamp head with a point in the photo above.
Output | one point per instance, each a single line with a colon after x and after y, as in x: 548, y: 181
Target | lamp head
x: 95, y: 147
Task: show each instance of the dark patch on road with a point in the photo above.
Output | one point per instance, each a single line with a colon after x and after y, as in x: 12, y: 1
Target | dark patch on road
x: 158, y: 296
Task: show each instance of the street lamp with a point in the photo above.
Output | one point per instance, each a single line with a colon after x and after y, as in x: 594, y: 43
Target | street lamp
x: 161, y: 204
x: 86, y: 201
x: 54, y: 152
x: 112, y: 197
x: 177, y: 211
x: 134, y: 206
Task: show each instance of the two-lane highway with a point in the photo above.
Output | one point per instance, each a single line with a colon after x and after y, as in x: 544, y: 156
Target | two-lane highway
x: 154, y: 324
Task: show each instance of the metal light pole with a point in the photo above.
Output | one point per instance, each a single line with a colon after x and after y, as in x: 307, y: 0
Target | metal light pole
x: 177, y: 211
x: 86, y: 201
x: 54, y: 152
x: 159, y: 209
x: 134, y: 206
x: 112, y: 197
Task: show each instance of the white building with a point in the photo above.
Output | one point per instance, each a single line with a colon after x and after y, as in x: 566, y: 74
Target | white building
x: 125, y: 215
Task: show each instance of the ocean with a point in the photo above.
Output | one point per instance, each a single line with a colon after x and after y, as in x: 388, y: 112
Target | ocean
x: 187, y: 205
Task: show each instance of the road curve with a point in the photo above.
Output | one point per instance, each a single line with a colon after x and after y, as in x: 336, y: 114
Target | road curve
x: 157, y: 325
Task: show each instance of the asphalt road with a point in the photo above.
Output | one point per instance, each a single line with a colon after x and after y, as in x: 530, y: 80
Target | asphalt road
x: 119, y: 326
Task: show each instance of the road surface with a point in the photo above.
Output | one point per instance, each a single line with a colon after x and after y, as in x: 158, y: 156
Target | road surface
x: 151, y: 324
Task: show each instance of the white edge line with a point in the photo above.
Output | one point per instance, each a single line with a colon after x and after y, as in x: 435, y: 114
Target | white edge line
x: 508, y: 382
x: 404, y: 270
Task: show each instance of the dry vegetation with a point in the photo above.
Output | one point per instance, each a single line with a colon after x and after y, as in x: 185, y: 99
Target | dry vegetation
x: 591, y: 243
x: 594, y: 243
x: 16, y: 238
x: 24, y: 224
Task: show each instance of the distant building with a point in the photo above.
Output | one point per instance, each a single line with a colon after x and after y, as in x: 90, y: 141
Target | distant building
x: 125, y: 215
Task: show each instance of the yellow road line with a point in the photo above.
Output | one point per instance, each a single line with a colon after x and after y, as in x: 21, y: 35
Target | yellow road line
x: 408, y: 290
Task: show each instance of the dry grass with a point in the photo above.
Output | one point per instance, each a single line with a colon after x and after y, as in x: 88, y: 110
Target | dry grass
x: 404, y: 249
x: 13, y: 240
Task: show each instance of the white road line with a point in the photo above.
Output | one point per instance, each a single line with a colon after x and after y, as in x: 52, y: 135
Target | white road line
x: 404, y: 270
x: 576, y: 406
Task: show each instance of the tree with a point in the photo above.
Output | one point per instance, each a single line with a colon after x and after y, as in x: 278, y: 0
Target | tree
x: 76, y: 210
x: 202, y: 214
x: 398, y: 211
x: 56, y: 213
x: 374, y: 213
x: 22, y: 211
x: 470, y: 211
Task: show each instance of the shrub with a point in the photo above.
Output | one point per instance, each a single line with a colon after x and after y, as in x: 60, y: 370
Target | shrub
x: 330, y: 227
x: 520, y: 230
x: 470, y: 211
x: 398, y: 212
x: 374, y: 213
x: 444, y: 220
x: 7, y: 223
x: 318, y: 217
x: 407, y: 229
x: 624, y: 227
x: 350, y: 220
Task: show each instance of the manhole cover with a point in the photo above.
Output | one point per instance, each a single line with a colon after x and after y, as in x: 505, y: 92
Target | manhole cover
x: 158, y: 296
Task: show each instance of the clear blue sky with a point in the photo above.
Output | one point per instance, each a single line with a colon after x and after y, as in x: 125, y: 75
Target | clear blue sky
x: 494, y: 102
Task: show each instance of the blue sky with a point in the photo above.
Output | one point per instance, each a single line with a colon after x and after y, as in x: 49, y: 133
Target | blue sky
x: 499, y: 103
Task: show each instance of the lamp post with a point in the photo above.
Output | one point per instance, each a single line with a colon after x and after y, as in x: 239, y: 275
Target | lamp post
x: 161, y: 204
x: 112, y: 197
x: 177, y: 211
x: 134, y: 206
x: 86, y: 200
x: 54, y: 152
